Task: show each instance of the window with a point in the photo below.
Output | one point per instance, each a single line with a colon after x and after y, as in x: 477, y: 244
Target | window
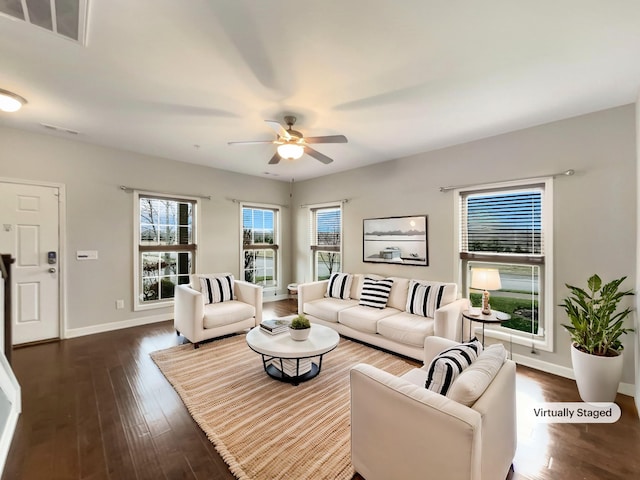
x: 508, y: 228
x: 165, y: 247
x: 326, y: 241
x: 260, y: 245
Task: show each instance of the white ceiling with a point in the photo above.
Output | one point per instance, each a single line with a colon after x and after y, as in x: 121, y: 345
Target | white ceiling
x: 161, y: 77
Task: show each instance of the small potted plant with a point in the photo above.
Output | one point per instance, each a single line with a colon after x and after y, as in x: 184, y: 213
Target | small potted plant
x: 595, y: 330
x: 300, y: 328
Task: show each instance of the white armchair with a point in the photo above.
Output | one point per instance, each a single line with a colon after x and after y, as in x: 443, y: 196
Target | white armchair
x: 399, y: 429
x: 198, y: 322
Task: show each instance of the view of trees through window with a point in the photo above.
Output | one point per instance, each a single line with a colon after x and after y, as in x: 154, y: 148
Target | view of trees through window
x: 259, y: 245
x: 503, y: 230
x: 166, y: 246
x: 326, y: 240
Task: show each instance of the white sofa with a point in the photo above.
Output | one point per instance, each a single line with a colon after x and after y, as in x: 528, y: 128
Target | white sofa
x: 400, y: 429
x: 198, y: 322
x: 391, y: 328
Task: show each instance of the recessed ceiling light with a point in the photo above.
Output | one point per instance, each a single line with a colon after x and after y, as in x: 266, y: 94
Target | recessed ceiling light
x: 10, y: 102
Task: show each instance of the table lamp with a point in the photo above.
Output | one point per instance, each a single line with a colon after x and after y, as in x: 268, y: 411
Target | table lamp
x: 485, y: 279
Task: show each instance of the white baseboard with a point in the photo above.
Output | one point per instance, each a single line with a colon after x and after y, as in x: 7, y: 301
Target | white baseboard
x: 566, y: 372
x: 108, y: 327
x: 275, y: 298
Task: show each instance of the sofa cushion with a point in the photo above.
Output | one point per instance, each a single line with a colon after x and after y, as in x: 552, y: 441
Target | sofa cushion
x: 398, y: 295
x: 450, y: 363
x: 226, y: 313
x: 339, y: 286
x: 216, y: 289
x: 327, y: 308
x: 474, y: 380
x: 375, y: 293
x: 406, y: 328
x: 424, y: 298
x: 364, y: 319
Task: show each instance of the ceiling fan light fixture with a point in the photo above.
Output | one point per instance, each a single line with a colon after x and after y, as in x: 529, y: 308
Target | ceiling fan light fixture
x: 290, y: 151
x: 10, y: 102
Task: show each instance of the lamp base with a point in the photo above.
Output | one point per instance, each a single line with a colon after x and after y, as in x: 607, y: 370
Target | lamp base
x: 486, y: 309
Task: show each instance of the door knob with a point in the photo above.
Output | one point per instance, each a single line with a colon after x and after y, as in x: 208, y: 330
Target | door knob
x: 52, y: 270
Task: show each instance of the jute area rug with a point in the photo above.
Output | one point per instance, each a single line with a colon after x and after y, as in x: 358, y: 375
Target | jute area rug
x: 265, y: 429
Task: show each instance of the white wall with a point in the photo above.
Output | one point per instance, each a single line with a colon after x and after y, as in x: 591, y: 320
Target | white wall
x: 100, y: 216
x: 594, y: 210
x: 637, y: 304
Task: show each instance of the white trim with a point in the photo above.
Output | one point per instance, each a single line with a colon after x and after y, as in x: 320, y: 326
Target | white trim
x: 566, y: 372
x: 137, y: 304
x: 11, y: 388
x: 62, y: 243
x: 546, y: 295
x: 108, y: 327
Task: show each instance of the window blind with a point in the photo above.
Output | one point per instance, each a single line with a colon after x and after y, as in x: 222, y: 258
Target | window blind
x: 503, y: 223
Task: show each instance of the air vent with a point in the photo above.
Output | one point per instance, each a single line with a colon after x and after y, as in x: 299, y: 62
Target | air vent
x: 63, y: 17
x: 60, y: 129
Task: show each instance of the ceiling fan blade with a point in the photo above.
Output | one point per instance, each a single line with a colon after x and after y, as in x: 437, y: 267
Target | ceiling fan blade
x: 327, y: 139
x: 275, y: 159
x: 252, y: 142
x: 317, y: 155
x: 279, y: 129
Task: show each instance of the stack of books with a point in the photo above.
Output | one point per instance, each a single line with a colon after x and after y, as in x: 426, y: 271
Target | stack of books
x: 275, y: 325
x: 290, y: 367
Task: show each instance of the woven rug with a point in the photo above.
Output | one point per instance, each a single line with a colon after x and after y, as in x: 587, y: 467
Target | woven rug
x: 265, y: 429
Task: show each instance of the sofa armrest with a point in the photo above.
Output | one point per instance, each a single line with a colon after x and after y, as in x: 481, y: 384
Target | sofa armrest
x: 188, y: 309
x: 310, y: 291
x: 447, y: 319
x: 401, y: 430
x: 249, y: 293
x: 434, y: 345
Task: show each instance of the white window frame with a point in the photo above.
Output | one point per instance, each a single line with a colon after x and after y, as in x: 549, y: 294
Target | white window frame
x: 313, y: 250
x: 138, y: 304
x: 277, y: 227
x: 546, y: 294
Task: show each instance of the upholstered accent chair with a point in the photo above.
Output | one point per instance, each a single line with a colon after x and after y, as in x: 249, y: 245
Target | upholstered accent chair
x: 199, y: 315
x: 400, y: 429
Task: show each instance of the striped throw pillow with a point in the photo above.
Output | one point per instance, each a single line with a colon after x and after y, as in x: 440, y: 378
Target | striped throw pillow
x: 375, y: 293
x: 216, y: 289
x: 424, y: 299
x: 340, y: 286
x: 450, y: 363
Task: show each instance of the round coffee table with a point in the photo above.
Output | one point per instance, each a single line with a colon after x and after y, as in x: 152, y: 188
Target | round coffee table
x: 289, y: 360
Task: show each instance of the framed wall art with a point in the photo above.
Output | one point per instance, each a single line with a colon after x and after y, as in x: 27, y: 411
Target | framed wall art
x: 399, y: 240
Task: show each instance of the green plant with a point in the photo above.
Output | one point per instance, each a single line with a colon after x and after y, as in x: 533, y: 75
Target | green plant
x: 596, y: 327
x: 300, y: 323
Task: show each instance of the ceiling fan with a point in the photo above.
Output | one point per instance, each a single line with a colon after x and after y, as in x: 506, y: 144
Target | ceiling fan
x: 292, y: 144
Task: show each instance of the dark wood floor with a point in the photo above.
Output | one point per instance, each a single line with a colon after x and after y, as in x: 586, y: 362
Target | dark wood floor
x: 96, y: 407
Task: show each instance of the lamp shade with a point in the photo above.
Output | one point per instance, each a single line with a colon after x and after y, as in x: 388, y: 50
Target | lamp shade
x: 10, y: 102
x: 485, y: 279
x: 290, y: 151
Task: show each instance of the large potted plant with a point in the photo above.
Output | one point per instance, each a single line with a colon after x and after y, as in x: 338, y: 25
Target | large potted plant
x: 596, y: 328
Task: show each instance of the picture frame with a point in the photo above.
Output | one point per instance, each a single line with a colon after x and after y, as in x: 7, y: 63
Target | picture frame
x: 396, y: 240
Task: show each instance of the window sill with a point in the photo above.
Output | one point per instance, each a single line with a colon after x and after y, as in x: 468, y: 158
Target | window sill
x: 153, y: 306
x: 544, y: 344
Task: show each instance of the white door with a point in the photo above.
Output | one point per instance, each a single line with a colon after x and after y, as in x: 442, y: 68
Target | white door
x: 29, y: 227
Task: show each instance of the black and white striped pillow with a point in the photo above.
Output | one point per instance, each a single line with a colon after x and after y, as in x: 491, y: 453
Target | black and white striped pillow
x: 217, y: 289
x: 424, y: 299
x: 340, y: 286
x: 375, y: 293
x: 449, y: 363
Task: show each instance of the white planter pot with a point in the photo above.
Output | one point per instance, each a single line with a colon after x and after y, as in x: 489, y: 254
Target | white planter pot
x: 299, y: 334
x: 597, y: 377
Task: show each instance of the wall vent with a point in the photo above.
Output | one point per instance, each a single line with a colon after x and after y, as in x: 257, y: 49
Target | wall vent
x: 63, y: 17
